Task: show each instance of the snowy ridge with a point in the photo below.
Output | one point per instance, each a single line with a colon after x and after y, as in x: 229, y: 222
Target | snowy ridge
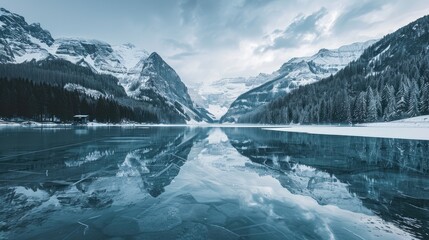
x: 22, y: 42
x: 217, y: 96
x: 294, y: 73
x: 139, y: 72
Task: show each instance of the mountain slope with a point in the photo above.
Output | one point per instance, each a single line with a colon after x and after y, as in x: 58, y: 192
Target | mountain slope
x: 294, y: 73
x: 138, y: 72
x: 19, y: 40
x: 389, y: 81
x: 217, y: 96
x: 158, y: 78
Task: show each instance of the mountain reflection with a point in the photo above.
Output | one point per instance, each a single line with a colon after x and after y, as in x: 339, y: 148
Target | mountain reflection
x: 159, y: 163
x: 210, y: 183
x: 389, y: 176
x: 113, y: 167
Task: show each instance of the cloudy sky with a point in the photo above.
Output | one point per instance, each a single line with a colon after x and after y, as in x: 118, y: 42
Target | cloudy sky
x: 205, y: 40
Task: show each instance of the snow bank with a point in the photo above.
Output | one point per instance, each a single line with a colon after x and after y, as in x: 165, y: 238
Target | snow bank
x: 416, y: 128
x: 420, y: 121
x: 379, y: 132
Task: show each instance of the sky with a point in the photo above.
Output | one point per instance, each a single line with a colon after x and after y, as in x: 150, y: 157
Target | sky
x: 206, y: 40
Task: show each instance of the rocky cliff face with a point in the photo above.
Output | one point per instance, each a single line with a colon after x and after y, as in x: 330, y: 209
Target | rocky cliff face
x: 144, y: 76
x: 158, y: 78
x: 20, y: 40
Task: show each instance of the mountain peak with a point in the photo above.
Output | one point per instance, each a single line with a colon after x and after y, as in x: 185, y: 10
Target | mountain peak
x: 17, y: 31
x: 129, y: 45
x: 155, y: 56
x: 8, y: 17
x: 323, y: 50
x: 3, y: 10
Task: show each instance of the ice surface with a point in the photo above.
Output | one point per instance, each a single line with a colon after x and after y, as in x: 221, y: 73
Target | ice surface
x: 160, y: 219
x: 209, y: 183
x: 263, y: 193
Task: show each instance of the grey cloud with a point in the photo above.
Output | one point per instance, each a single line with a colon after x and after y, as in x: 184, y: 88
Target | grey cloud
x: 277, y: 31
x: 182, y: 55
x: 187, y: 10
x: 216, y: 28
x: 178, y: 45
x: 294, y: 35
x: 350, y: 17
x: 223, y: 23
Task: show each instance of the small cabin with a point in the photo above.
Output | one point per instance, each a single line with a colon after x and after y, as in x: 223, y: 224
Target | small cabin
x: 80, y: 119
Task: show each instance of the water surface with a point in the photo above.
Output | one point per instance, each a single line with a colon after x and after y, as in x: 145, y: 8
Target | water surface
x: 209, y: 183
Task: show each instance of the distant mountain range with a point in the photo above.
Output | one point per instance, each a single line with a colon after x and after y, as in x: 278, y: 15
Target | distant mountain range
x: 146, y: 78
x: 291, y: 75
x: 217, y: 96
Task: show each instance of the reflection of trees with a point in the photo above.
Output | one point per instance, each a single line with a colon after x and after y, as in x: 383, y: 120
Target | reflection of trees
x: 82, y: 160
x: 344, y: 154
x: 388, y: 175
x: 79, y: 180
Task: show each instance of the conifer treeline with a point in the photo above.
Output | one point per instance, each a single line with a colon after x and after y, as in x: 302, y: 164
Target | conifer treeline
x: 60, y: 72
x: 389, y: 81
x: 21, y: 98
x: 354, y: 96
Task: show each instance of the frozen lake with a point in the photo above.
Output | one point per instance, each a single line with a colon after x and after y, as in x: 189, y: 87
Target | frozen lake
x: 210, y: 183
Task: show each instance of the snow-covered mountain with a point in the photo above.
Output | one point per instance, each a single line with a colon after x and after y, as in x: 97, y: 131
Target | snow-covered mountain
x: 144, y: 76
x: 389, y: 81
x: 217, y: 96
x: 294, y: 73
x: 20, y: 41
x: 117, y: 60
x: 156, y: 77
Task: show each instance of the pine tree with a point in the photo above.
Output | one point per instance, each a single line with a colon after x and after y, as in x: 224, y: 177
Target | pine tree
x: 371, y: 113
x: 285, y: 115
x: 390, y: 109
x: 359, y: 114
x: 347, y: 109
x: 402, y: 97
x: 413, y: 107
x: 378, y: 104
x: 424, y: 99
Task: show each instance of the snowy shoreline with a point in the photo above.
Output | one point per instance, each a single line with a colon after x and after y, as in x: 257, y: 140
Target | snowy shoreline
x: 410, y: 133
x: 416, y: 128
